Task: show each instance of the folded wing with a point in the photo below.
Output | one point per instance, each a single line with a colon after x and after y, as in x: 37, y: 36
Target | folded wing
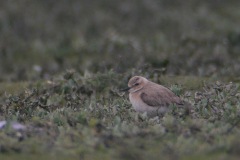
x: 163, y: 97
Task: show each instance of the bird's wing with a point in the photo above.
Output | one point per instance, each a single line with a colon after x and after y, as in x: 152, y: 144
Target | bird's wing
x: 163, y: 97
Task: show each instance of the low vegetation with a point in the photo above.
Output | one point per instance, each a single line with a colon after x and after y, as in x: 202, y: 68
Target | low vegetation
x: 63, y: 65
x: 87, y: 116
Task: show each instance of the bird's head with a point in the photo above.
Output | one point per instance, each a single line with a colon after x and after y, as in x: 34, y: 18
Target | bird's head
x: 136, y: 83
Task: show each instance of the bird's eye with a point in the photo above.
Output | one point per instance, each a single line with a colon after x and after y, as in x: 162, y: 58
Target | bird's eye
x: 136, y: 84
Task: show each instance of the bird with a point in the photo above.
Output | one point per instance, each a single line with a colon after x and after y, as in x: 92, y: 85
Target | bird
x: 150, y: 97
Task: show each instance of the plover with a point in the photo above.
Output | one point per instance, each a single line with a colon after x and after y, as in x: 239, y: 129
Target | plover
x: 150, y: 97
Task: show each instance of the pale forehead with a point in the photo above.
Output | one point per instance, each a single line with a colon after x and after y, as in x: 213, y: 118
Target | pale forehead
x: 134, y: 79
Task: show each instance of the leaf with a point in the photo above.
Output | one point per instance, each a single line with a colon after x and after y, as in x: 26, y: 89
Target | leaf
x: 224, y: 94
x: 117, y: 121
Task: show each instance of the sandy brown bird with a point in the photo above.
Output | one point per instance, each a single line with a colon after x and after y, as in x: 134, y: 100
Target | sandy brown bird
x: 150, y: 97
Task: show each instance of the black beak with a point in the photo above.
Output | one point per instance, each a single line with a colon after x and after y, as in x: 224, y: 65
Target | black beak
x: 126, y: 89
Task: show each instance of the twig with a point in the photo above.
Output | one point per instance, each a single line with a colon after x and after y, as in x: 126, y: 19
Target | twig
x: 234, y: 125
x: 28, y: 97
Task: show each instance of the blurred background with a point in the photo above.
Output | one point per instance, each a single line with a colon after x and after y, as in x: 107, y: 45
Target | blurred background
x: 42, y: 38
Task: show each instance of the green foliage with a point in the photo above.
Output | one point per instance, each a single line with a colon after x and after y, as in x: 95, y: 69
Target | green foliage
x: 176, y: 90
x: 93, y: 118
x: 181, y: 38
x: 63, y: 64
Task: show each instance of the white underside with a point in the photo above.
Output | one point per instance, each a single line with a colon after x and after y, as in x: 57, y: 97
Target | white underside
x: 141, y: 107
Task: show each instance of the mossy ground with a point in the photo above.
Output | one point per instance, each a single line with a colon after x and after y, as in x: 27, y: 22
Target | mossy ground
x: 63, y: 64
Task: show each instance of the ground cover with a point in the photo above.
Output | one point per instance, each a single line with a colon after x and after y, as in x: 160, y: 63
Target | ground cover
x: 87, y: 116
x: 63, y: 64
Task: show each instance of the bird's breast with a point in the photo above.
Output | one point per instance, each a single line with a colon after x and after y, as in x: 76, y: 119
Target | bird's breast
x: 142, y: 107
x: 136, y: 101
